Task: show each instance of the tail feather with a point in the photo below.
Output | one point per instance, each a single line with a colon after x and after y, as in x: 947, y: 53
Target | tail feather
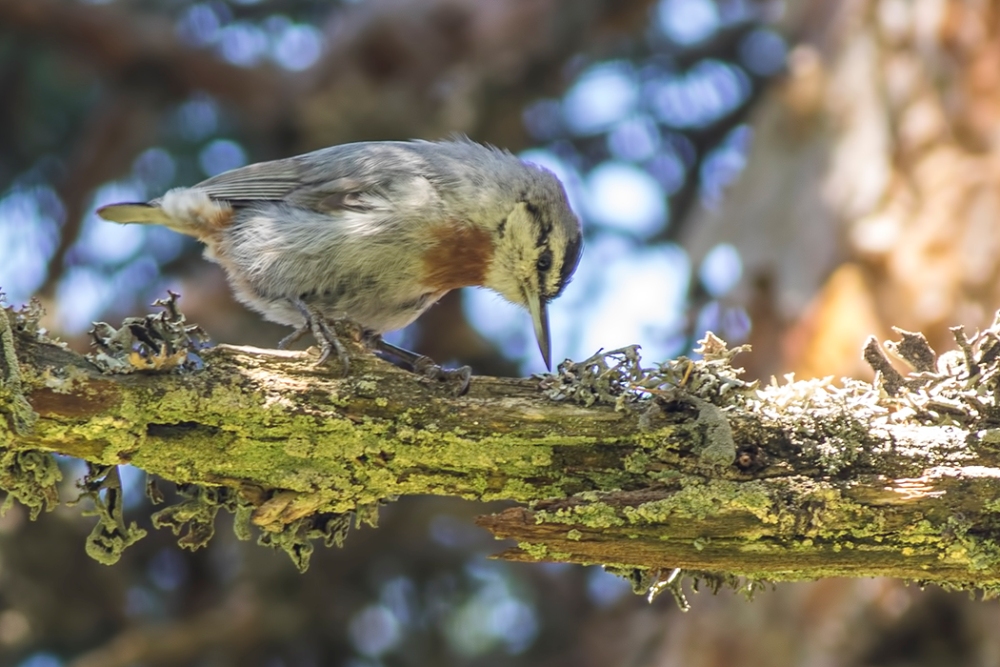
x: 143, y: 214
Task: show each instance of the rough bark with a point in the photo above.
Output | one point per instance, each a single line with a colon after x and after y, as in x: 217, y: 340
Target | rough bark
x: 681, y: 465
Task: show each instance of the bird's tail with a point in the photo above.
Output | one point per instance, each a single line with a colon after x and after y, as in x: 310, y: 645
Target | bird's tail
x: 185, y: 210
x: 143, y: 214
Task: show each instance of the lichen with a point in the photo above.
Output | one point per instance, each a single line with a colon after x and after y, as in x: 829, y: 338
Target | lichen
x: 13, y: 404
x: 296, y: 538
x: 618, y: 378
x: 102, y: 485
x: 30, y: 477
x: 195, y: 515
x: 159, y: 343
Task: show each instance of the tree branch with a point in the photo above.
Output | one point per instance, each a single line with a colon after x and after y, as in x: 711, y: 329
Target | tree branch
x: 682, y: 465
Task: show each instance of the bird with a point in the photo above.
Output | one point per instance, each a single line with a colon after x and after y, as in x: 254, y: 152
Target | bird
x: 373, y: 233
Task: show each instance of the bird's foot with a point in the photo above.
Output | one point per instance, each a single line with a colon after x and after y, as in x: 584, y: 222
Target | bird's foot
x: 425, y: 366
x: 460, y: 377
x: 294, y: 336
x: 323, y: 331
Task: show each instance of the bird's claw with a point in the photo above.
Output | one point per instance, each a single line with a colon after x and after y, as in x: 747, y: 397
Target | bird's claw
x: 329, y: 344
x: 323, y: 332
x: 423, y: 365
x: 294, y: 336
x: 462, y: 376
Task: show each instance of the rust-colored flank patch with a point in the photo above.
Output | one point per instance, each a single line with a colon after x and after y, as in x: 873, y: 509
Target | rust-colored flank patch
x: 459, y: 257
x: 215, y: 219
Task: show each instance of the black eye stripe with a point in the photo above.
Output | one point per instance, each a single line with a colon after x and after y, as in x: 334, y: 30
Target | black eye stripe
x: 544, y: 223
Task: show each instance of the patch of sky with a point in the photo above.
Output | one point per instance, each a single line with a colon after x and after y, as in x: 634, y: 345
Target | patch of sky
x: 449, y: 531
x: 29, y: 229
x: 196, y: 119
x: 634, y: 139
x: 140, y: 601
x: 293, y: 46
x: 85, y: 292
x: 493, y: 617
x: 399, y: 596
x: 703, y: 95
x: 621, y: 294
x: 604, y: 588
x: 603, y: 95
x: 243, y: 43
x: 732, y: 324
x: 687, y: 22
x: 200, y: 24
x: 636, y: 296
x: 156, y: 168
x: 724, y: 164
x: 623, y: 197
x: 164, y: 244
x: 667, y: 167
x: 168, y: 569
x: 221, y: 155
x: 374, y: 631
x: 106, y: 243
x: 720, y: 270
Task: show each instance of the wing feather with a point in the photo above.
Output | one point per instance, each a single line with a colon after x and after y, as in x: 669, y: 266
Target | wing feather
x: 346, y: 177
x: 263, y: 181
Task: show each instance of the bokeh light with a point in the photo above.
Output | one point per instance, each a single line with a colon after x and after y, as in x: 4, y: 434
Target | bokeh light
x: 688, y: 22
x: 221, y: 155
x: 624, y: 197
x: 601, y: 96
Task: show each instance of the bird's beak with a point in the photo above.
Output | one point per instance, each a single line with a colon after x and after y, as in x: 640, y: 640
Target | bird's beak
x: 540, y: 318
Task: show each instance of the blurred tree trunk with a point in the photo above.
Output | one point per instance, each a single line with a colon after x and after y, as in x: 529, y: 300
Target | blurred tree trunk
x: 872, y: 192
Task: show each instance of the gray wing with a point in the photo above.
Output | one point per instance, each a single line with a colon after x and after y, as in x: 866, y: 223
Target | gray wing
x: 350, y: 176
x: 262, y: 181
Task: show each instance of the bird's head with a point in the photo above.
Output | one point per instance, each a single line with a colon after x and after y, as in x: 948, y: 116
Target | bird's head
x: 536, y: 249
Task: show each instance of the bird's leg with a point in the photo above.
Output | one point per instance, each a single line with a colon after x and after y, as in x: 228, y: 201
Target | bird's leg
x: 321, y: 330
x: 424, y: 365
x: 294, y: 336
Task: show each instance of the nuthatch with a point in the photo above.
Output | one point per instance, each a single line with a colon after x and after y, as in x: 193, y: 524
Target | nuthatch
x: 377, y: 232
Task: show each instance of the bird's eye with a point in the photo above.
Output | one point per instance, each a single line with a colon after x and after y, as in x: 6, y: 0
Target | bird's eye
x: 544, y: 262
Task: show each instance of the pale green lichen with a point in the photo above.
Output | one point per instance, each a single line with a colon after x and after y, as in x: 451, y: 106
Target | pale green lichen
x: 111, y: 536
x: 13, y: 404
x: 159, y: 343
x: 296, y: 539
x: 195, y: 515
x: 30, y: 477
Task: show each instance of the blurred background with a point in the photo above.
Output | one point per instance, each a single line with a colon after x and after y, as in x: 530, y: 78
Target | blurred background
x: 794, y: 174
